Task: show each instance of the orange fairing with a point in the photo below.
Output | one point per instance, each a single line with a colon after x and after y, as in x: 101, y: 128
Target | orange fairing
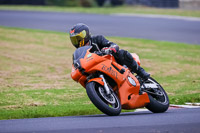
x: 77, y: 76
x: 129, y: 95
x: 91, y: 60
x: 136, y: 101
x: 126, y: 84
x: 98, y: 80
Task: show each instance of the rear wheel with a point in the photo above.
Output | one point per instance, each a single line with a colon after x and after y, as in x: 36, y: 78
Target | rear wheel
x: 108, y: 104
x: 159, y: 101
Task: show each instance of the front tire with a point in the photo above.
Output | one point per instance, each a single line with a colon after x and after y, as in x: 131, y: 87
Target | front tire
x: 158, y: 104
x: 109, y: 105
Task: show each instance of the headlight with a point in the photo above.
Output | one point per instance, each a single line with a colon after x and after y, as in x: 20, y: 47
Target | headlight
x: 132, y: 81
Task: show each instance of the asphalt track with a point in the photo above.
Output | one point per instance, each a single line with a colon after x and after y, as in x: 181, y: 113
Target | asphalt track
x: 173, y: 29
x: 173, y: 121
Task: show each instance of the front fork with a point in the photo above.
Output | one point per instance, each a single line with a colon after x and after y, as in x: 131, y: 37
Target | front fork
x: 107, y: 89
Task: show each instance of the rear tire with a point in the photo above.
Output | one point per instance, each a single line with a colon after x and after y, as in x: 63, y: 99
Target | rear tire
x: 112, y: 108
x: 158, y: 104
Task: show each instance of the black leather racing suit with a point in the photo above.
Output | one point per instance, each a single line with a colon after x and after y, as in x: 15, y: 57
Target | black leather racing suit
x: 123, y: 57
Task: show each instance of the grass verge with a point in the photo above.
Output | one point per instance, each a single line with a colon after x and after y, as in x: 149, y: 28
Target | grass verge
x: 109, y: 10
x: 35, y: 71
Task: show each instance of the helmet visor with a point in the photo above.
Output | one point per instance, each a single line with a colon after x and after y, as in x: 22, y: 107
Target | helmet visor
x: 78, y: 39
x: 74, y: 41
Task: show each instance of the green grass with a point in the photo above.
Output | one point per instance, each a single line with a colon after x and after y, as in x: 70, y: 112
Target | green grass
x: 35, y: 68
x: 109, y: 10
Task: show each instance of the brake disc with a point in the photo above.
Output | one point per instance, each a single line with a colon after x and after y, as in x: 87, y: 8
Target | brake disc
x: 108, y: 97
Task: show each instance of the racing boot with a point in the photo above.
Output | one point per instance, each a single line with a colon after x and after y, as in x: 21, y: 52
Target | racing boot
x: 142, y: 73
x: 139, y: 70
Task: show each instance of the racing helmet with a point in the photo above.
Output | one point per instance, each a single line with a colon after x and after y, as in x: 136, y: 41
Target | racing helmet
x: 79, y: 35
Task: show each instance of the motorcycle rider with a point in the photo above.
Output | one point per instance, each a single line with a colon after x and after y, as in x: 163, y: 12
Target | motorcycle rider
x: 80, y: 36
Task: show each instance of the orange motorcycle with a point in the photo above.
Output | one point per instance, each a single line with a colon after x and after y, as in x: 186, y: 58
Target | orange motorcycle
x: 112, y: 87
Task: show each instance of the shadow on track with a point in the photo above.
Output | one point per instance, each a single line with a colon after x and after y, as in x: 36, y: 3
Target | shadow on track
x: 122, y: 114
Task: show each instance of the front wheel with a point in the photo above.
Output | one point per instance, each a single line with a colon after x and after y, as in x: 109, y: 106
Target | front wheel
x: 159, y: 101
x: 108, y: 104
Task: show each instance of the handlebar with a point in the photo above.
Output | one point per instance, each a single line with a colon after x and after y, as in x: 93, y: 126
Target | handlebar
x: 101, y: 53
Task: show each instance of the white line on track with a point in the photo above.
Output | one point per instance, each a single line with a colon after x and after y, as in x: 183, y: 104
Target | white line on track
x: 172, y: 106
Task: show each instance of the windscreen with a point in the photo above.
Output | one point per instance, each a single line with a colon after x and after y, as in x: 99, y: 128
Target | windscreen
x: 80, y: 53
